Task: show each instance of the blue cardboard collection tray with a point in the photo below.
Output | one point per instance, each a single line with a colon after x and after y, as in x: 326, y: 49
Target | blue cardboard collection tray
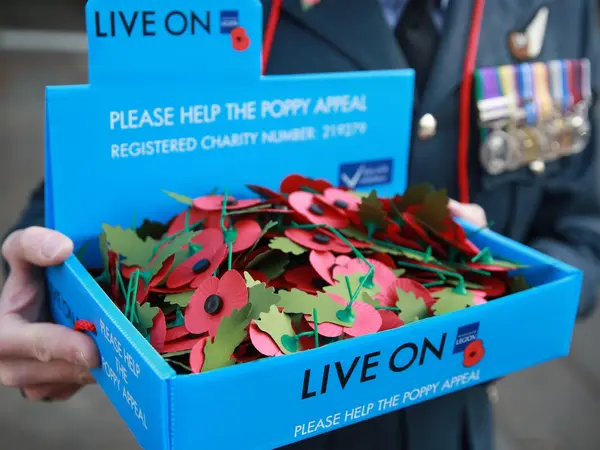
x: 173, y: 104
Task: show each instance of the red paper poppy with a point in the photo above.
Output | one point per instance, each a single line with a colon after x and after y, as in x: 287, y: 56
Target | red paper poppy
x: 159, y: 331
x: 305, y: 278
x: 210, y: 219
x: 366, y: 321
x: 181, y: 345
x: 390, y: 298
x: 384, y: 258
x: 197, y: 355
x: 395, y: 236
x: 203, y: 264
x: 215, y: 203
x: 317, y: 239
x: 389, y: 320
x: 240, y: 39
x: 317, y: 211
x: 382, y: 276
x: 213, y: 300
x: 323, y: 262
x: 411, y: 222
x: 248, y: 232
x: 280, y: 283
x: 488, y: 267
x: 495, y: 286
x: 294, y: 183
x: 267, y: 194
x: 342, y: 199
x: 257, y: 275
x: 455, y: 235
x: 246, y: 352
x: 263, y: 342
x: 473, y: 353
x: 176, y: 333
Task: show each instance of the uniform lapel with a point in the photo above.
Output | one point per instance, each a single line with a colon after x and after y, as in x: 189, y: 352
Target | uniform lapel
x: 356, y: 28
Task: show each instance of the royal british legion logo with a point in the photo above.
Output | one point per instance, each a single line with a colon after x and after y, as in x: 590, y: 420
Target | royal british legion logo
x: 464, y: 336
x: 229, y: 21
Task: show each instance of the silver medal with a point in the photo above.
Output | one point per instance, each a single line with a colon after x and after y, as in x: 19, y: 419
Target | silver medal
x: 499, y: 152
x: 578, y: 126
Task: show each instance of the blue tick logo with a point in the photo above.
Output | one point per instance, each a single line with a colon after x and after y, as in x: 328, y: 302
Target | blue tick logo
x: 364, y: 174
x: 465, y: 335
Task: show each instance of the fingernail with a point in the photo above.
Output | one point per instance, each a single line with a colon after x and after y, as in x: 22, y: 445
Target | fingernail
x: 52, y: 247
x: 82, y: 360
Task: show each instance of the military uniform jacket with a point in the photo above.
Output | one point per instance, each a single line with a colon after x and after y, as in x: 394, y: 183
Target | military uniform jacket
x: 556, y: 211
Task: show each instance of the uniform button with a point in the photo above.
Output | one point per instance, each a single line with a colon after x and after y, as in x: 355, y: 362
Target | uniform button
x: 537, y: 167
x: 427, y: 126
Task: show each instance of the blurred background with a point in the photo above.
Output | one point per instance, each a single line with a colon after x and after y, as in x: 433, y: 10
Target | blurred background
x: 555, y: 406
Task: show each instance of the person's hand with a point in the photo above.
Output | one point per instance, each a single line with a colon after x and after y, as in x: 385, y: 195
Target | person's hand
x: 45, y: 361
x: 470, y: 212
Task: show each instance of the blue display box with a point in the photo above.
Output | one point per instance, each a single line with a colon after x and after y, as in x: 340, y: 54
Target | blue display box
x: 176, y: 102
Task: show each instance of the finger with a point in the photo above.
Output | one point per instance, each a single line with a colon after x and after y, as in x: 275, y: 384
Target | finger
x: 50, y: 392
x: 470, y: 212
x: 17, y: 373
x: 47, y: 342
x: 36, y: 246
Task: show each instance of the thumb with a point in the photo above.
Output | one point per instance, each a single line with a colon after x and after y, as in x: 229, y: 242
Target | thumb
x: 35, y: 246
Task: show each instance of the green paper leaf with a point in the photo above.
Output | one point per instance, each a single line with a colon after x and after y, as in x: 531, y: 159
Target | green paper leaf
x: 411, y: 307
x: 505, y: 263
x: 358, y: 235
x: 450, y: 301
x: 272, y: 263
x: 125, y: 242
x: 434, y: 211
x: 178, y: 247
x: 299, y: 302
x: 371, y: 212
x: 180, y: 198
x: 146, y: 314
x: 277, y: 325
x: 414, y: 195
x: 176, y: 354
x: 230, y: 334
x: 286, y: 246
x: 268, y: 226
x: 151, y: 229
x: 518, y: 283
x: 180, y: 300
x: 398, y: 272
x: 366, y: 298
x: 262, y: 299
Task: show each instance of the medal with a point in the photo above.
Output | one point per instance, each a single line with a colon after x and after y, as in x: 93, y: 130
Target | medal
x: 561, y: 100
x: 550, y: 120
x: 499, y: 150
x: 577, y: 120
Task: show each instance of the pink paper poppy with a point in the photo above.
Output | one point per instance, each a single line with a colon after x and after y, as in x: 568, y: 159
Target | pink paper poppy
x: 323, y: 262
x: 390, y: 320
x: 382, y: 277
x: 213, y: 300
x: 390, y: 297
x: 342, y: 199
x: 203, y: 264
x: 367, y: 321
x: 294, y: 183
x: 197, y: 356
x: 317, y: 239
x: 263, y: 342
x: 317, y: 211
x: 215, y: 203
x: 478, y: 297
x: 248, y: 232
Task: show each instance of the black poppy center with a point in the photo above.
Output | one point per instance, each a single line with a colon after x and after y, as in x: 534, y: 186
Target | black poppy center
x: 473, y: 354
x: 316, y: 210
x: 230, y: 202
x: 201, y: 266
x: 213, y: 304
x: 319, y: 283
x: 341, y: 204
x: 320, y: 238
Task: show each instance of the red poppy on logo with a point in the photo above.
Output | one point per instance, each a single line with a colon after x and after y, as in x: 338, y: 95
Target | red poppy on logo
x: 474, y: 353
x: 240, y: 39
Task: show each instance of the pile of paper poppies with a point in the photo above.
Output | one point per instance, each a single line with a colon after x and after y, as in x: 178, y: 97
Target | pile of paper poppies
x: 230, y: 281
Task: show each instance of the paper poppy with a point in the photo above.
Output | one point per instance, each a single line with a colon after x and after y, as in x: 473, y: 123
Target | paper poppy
x: 197, y: 355
x: 197, y: 219
x: 407, y: 285
x: 389, y: 320
x: 214, y: 299
x: 305, y: 278
x: 246, y: 352
x: 382, y: 275
x: 240, y: 39
x: 294, y: 183
x: 158, y: 334
x: 366, y: 321
x: 203, y: 264
x: 215, y: 203
x: 384, y: 258
x: 414, y: 225
x: 323, y: 262
x: 317, y: 239
x: 263, y: 342
x: 342, y: 199
x: 247, y: 233
x: 268, y: 194
x: 473, y: 353
x: 317, y: 211
x: 181, y: 345
x: 493, y: 286
x: 176, y: 333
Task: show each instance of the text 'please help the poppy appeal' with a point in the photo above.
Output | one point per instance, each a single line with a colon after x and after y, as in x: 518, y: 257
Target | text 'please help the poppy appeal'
x: 210, y: 135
